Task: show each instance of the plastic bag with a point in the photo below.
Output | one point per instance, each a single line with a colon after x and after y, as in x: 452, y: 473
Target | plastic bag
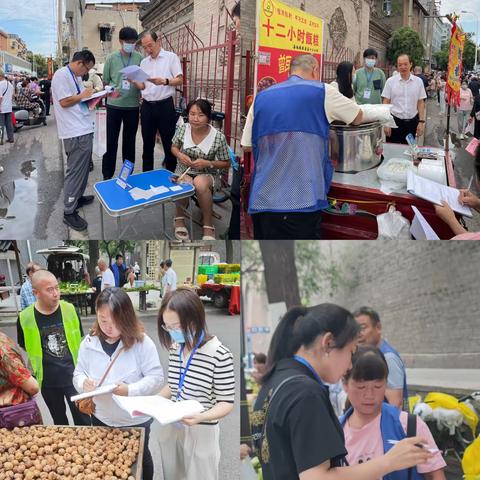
x: 469, y: 128
x: 100, y: 133
x: 392, y: 225
x: 381, y: 113
x: 247, y: 472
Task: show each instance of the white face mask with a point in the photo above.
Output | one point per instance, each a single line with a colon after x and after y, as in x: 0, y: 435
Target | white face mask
x: 354, y: 76
x: 128, y: 47
x: 370, y: 62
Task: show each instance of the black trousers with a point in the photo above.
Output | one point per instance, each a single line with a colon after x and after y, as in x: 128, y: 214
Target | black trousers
x: 147, y: 461
x: 55, y: 400
x: 158, y: 116
x: 46, y: 99
x: 405, y: 127
x: 234, y: 227
x: 115, y: 117
x: 286, y: 226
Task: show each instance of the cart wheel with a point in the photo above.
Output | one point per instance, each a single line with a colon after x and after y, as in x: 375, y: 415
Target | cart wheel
x: 220, y: 299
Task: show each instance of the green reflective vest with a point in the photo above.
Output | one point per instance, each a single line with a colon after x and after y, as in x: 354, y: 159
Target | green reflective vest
x: 33, y: 343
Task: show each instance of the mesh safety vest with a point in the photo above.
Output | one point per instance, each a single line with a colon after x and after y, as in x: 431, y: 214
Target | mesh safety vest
x: 292, y: 170
x: 33, y: 343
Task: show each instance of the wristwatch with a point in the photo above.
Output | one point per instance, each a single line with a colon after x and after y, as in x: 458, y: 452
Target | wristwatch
x: 167, y: 81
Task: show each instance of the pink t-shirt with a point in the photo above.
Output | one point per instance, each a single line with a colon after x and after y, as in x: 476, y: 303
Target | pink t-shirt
x: 366, y: 443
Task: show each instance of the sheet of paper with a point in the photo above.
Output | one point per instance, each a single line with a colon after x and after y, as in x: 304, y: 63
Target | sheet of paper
x: 99, y: 391
x: 176, y: 188
x: 164, y: 410
x: 158, y: 190
x: 97, y: 95
x: 134, y: 72
x: 140, y: 193
x: 420, y: 228
x: 436, y: 193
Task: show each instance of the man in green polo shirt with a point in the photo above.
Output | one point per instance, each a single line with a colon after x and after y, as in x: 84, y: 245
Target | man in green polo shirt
x: 50, y: 332
x: 124, y: 108
x: 369, y: 81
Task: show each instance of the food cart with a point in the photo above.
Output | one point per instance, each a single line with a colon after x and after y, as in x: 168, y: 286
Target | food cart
x: 356, y: 197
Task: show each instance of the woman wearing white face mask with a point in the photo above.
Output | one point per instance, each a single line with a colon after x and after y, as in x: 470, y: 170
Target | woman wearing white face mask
x: 200, y: 368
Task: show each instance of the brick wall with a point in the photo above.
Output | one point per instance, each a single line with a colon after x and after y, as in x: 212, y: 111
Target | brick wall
x: 426, y: 293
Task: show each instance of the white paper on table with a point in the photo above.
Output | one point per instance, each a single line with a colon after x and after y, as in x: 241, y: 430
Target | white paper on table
x: 98, y: 94
x: 436, y: 193
x: 162, y: 409
x: 98, y: 391
x: 134, y: 72
x: 176, y: 188
x: 420, y: 228
x: 140, y: 193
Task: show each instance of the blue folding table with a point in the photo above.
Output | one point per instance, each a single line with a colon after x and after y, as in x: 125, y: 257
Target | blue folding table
x: 117, y: 201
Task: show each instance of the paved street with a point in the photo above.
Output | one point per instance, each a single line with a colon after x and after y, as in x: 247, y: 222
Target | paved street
x: 31, y: 194
x: 227, y: 328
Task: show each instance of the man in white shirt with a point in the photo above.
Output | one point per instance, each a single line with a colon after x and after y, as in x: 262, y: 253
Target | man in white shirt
x: 6, y: 95
x: 406, y: 93
x: 75, y: 127
x: 108, y: 280
x: 158, y: 109
x: 169, y: 280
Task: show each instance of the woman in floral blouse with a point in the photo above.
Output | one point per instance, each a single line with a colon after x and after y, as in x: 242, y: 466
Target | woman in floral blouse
x: 204, y: 150
x: 16, y: 382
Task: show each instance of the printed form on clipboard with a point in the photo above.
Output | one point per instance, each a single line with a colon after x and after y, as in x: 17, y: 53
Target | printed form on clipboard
x: 436, y: 193
x: 162, y: 409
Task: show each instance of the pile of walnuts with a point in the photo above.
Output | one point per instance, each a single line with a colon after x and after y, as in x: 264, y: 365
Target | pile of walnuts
x: 65, y: 453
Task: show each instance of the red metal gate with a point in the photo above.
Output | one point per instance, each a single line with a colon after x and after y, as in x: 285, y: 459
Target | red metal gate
x: 213, y: 69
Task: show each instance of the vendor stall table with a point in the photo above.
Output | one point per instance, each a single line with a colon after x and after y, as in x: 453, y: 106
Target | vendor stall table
x: 363, y: 191
x: 118, y: 202
x: 81, y: 300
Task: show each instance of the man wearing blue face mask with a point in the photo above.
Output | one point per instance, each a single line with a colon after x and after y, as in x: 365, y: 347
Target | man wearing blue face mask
x: 369, y: 81
x: 124, y: 108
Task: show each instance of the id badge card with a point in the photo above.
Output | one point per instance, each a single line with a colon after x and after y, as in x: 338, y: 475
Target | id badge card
x: 125, y: 84
x: 367, y: 93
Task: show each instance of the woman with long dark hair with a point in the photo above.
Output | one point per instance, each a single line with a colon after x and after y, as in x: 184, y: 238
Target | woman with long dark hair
x: 344, y: 79
x: 297, y: 433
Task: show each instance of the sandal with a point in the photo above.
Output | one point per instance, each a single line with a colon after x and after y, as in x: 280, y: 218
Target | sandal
x: 209, y: 237
x: 181, y: 233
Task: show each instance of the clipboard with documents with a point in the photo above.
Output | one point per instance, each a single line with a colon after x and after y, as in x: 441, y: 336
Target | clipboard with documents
x: 436, y: 193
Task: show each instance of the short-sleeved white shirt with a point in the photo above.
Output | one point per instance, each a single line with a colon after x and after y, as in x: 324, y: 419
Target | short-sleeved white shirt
x: 6, y: 92
x: 71, y: 121
x: 404, y: 95
x: 165, y: 65
x: 337, y: 108
x: 107, y: 279
x: 170, y: 278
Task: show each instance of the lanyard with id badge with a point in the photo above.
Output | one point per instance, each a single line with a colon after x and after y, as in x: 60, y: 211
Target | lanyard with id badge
x: 367, y: 93
x: 184, y: 371
x: 83, y: 105
x: 125, y: 82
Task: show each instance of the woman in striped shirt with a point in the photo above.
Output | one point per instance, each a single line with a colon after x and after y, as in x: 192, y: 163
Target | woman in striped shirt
x: 200, y: 368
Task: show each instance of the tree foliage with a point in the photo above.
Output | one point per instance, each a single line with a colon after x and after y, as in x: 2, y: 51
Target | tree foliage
x: 406, y: 40
x: 315, y: 272
x: 112, y: 247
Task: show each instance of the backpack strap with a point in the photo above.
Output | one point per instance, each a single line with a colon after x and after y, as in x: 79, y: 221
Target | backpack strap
x: 411, y: 432
x: 277, y: 389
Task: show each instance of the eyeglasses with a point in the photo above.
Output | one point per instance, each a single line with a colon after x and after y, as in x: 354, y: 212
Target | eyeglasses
x: 169, y: 329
